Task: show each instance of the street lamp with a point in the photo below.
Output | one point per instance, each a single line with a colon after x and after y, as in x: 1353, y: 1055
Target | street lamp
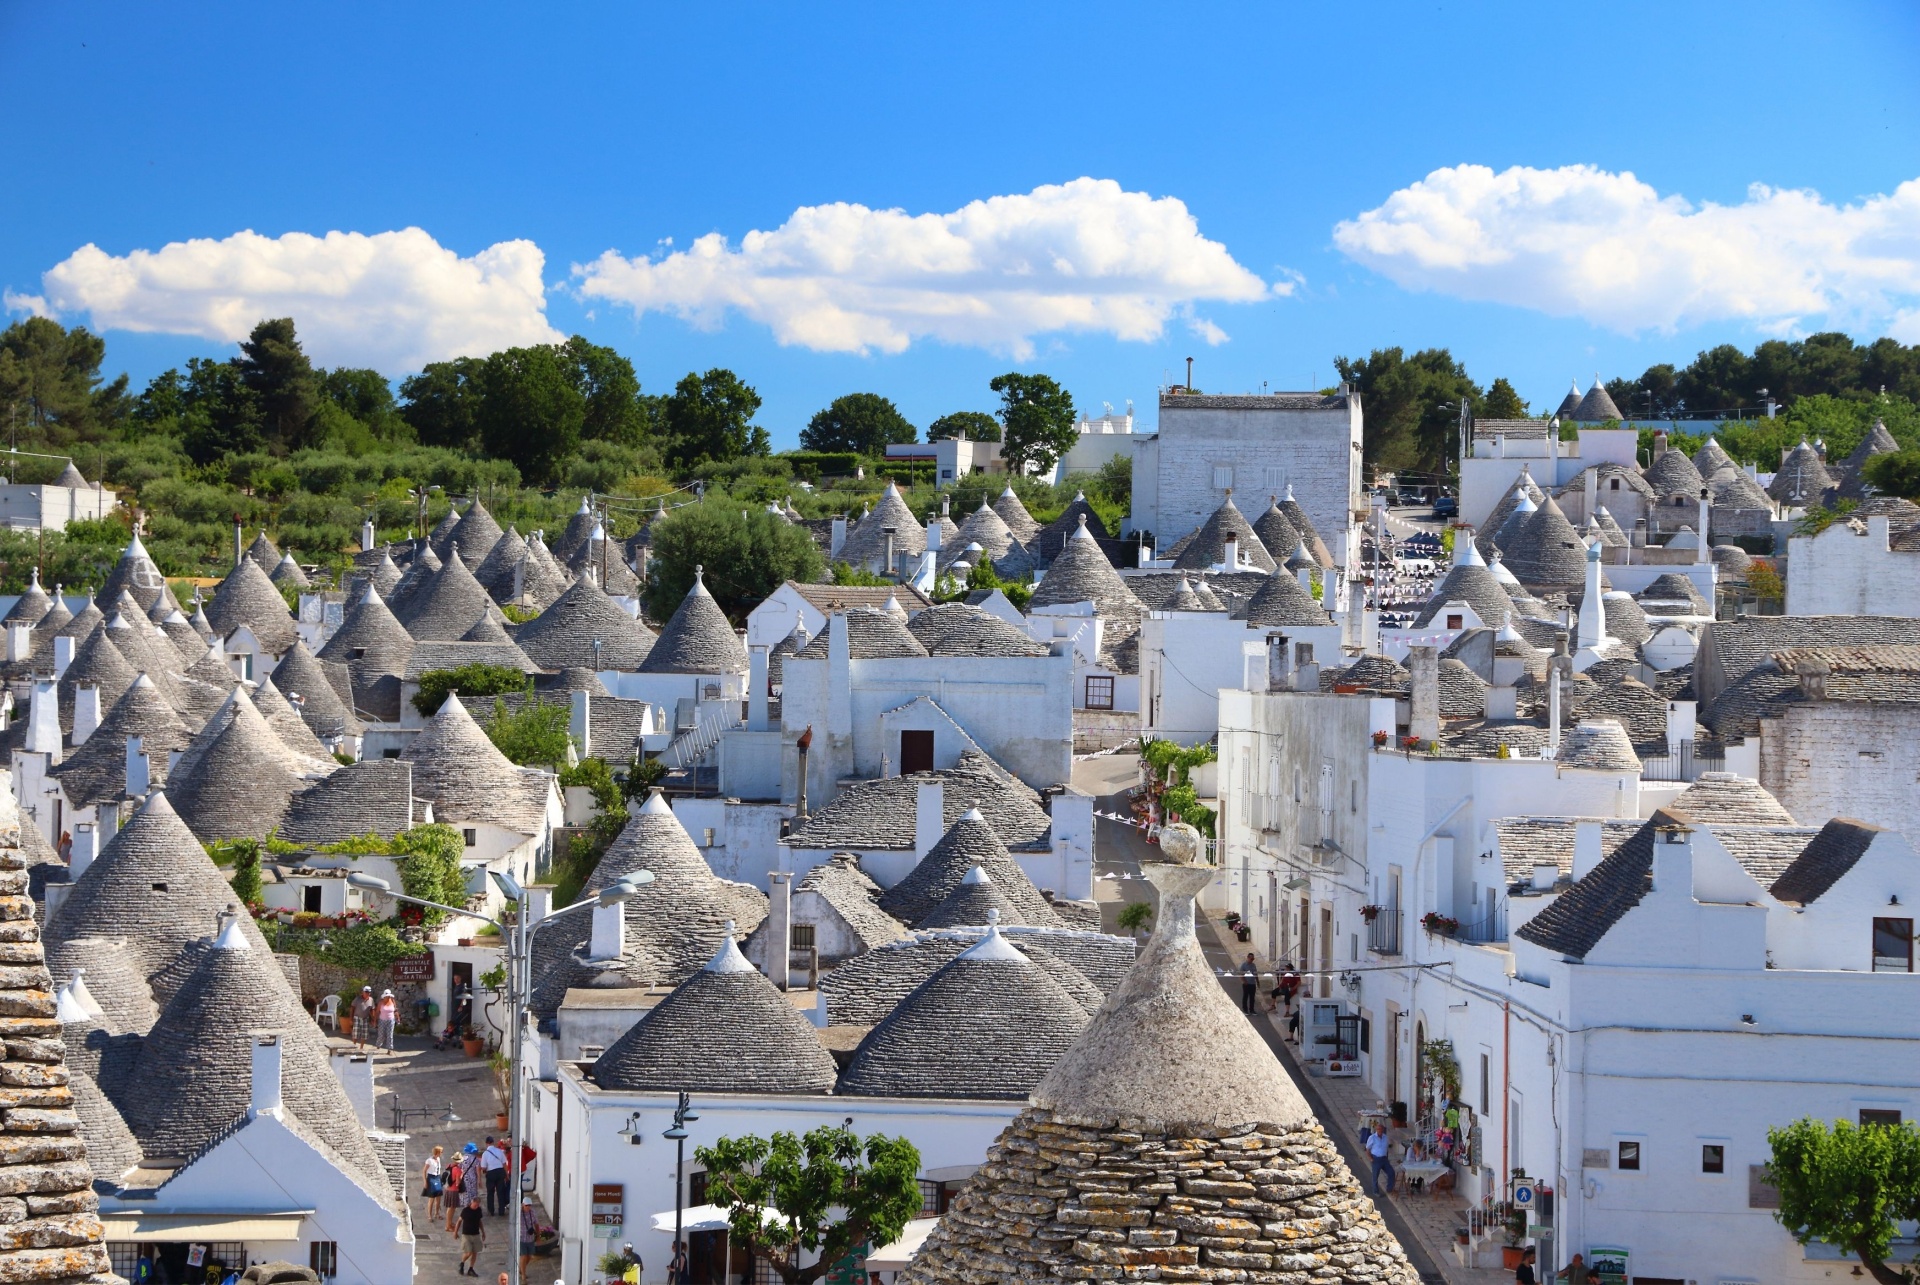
x: 519, y: 989
x: 683, y: 1114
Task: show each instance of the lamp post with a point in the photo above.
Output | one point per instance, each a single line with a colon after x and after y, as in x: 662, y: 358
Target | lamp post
x: 683, y: 1114
x: 519, y: 989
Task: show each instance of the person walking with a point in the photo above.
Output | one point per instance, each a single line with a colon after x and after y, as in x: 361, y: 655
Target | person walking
x: 473, y: 1235
x: 362, y: 1016
x: 456, y: 1174
x: 677, y: 1265
x: 1249, y: 983
x: 433, y: 1183
x: 1523, y: 1274
x: 470, y: 1180
x: 529, y: 1232
x: 386, y: 1013
x: 493, y: 1168
x: 1379, y: 1145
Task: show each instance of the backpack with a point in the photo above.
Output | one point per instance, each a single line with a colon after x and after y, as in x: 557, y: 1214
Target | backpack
x: 453, y: 1176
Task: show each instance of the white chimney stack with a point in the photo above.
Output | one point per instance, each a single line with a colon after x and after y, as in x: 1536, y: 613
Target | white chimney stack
x: 86, y: 846
x: 139, y: 770
x: 366, y: 536
x: 929, y: 820
x: 62, y: 654
x: 780, y: 927
x: 609, y: 932
x: 1230, y: 554
x: 267, y: 1067
x: 19, y: 641
x: 43, y: 717
x: 1586, y: 846
x: 86, y: 714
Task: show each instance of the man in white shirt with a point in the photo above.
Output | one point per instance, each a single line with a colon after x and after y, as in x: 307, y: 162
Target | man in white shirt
x: 1378, y: 1145
x: 493, y: 1168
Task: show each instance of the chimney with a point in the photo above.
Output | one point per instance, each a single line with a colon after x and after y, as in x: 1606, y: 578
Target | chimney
x: 929, y: 817
x: 239, y: 541
x: 1306, y: 674
x: 1637, y: 538
x: 890, y: 532
x: 366, y: 536
x: 1593, y: 491
x: 355, y: 1073
x: 933, y: 528
x: 1672, y: 857
x: 1680, y: 722
x: 1593, y: 615
x: 839, y: 536
x: 139, y: 770
x: 580, y: 721
x: 1354, y: 633
x: 801, y: 747
x: 1230, y: 554
x: 86, y: 714
x: 266, y: 1075
x: 539, y: 903
x: 43, y: 716
x: 1586, y: 846
x: 1279, y: 663
x: 1659, y: 446
x: 1503, y: 703
x: 1702, y: 554
x: 779, y: 927
x: 520, y: 580
x: 62, y: 654
x: 609, y: 941
x: 19, y: 641
x: 757, y: 689
x: 86, y: 846
x: 1424, y: 661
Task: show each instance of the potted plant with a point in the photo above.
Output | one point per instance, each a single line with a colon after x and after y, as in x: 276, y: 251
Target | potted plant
x: 1371, y: 913
x: 471, y: 1043
x: 1438, y: 924
x: 1516, y: 1227
x: 1380, y: 740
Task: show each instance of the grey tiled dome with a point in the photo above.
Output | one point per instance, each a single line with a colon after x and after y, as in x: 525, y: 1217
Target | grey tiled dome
x: 698, y: 639
x: 726, y: 1029
x: 475, y: 534
x: 96, y: 772
x: 495, y: 572
x: 135, y: 573
x: 1296, y: 515
x: 286, y: 723
x: 265, y: 554
x: 985, y: 528
x: 1673, y: 474
x: 1485, y: 539
x: 289, y: 573
x: 871, y: 635
x: 579, y: 527
x: 1600, y: 745
x: 247, y: 597
x: 1206, y: 545
x: 1547, y: 552
x: 375, y: 648
x: 31, y: 607
x: 565, y: 632
x: 1015, y: 515
x: 445, y: 607
x: 976, y: 902
x: 373, y: 796
x: 605, y: 562
x: 1276, y: 534
x: 96, y: 663
x: 466, y: 778
x: 1712, y: 457
x: 867, y: 542
x: 1283, y: 600
x: 113, y: 978
x: 441, y: 536
x: 1082, y: 573
x: 988, y: 1024
x: 241, y: 782
x: 425, y: 565
x: 1597, y: 406
x: 1473, y: 584
x: 969, y: 843
x: 301, y: 674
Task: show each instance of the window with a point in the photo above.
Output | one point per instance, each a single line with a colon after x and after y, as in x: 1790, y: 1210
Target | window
x: 1893, y: 945
x: 916, y: 752
x: 1713, y: 1157
x: 1275, y: 479
x: 1614, y: 484
x: 1629, y: 1155
x: 1486, y: 1078
x: 159, y: 887
x: 1870, y: 1116
x: 697, y: 1188
x: 1099, y: 691
x: 1222, y: 476
x: 389, y: 754
x: 803, y: 936
x: 1455, y: 620
x: 324, y: 1257
x: 933, y: 1198
x: 470, y: 837
x: 706, y: 837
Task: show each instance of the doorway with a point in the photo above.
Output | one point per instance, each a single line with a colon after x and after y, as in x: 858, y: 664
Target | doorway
x: 1326, y: 952
x: 460, y: 996
x: 1392, y: 1092
x: 916, y: 752
x: 310, y: 898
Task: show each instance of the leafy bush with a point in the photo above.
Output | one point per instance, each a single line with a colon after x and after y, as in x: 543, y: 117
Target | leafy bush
x: 471, y: 681
x: 535, y: 735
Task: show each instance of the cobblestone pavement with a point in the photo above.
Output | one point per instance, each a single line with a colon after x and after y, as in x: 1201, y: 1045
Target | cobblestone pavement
x: 1424, y: 1223
x: 424, y: 1083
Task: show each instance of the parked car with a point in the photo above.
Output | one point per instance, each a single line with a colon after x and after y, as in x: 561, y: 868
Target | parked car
x: 1446, y: 507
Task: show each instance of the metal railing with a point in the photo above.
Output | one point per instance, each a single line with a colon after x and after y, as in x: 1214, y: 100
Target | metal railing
x: 1383, y: 932
x: 1687, y: 765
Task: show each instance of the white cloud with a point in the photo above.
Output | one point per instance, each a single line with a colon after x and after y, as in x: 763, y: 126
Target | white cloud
x: 1580, y: 241
x: 1079, y: 256
x: 391, y: 300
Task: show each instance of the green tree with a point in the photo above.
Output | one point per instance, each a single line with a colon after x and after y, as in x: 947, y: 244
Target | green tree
x: 1114, y: 482
x: 710, y: 418
x: 828, y: 1193
x: 1849, y: 1186
x: 746, y: 556
x: 616, y: 409
x: 429, y: 863
x: 1134, y: 916
x: 223, y: 416
x: 1036, y: 417
x: 974, y: 425
x: 275, y: 368
x: 1896, y: 474
x: 471, y: 681
x: 863, y: 422
x: 1412, y: 406
x: 1503, y: 403
x: 531, y: 410
x: 535, y: 735
x: 50, y: 382
x: 442, y: 402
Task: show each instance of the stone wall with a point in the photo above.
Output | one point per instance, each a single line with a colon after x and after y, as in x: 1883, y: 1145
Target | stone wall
x: 1844, y: 573
x: 1099, y: 1200
x: 1826, y: 759
x: 49, y: 1216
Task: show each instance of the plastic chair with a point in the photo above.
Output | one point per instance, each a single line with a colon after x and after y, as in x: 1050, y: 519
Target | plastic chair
x: 327, y: 1013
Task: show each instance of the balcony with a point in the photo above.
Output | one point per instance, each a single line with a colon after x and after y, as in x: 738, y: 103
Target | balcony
x: 1383, y: 932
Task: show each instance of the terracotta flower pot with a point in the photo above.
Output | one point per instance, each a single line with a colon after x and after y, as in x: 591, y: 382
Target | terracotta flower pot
x: 1510, y: 1256
x: 473, y: 1045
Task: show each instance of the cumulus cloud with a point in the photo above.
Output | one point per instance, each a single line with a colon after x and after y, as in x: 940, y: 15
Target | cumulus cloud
x: 1580, y: 241
x: 1079, y: 256
x: 391, y: 300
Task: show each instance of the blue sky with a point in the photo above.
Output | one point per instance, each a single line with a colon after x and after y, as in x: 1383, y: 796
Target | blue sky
x: 1229, y: 144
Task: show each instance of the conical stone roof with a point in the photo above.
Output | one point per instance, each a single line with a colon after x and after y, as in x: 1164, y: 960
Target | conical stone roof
x: 1166, y: 1093
x: 96, y: 663
x: 114, y: 981
x: 969, y: 843
x: 1015, y: 515
x: 475, y: 533
x: 867, y: 542
x: 579, y: 527
x: 375, y: 648
x: 185, y: 638
x: 1712, y: 457
x: 1283, y: 601
x: 425, y: 566
x: 147, y: 649
x: 1674, y: 474
x: 1296, y: 514
x: 247, y: 597
x: 1485, y: 539
x: 288, y: 572
x: 1852, y: 470
x: 1733, y: 489
x: 265, y: 554
x: 1547, y: 553
x: 460, y: 771
x: 1275, y: 533
x: 135, y: 573
x: 1082, y: 573
x: 445, y: 607
x: 240, y: 784
x: 97, y: 771
x: 32, y: 606
x: 440, y: 538
x: 546, y: 579
x: 605, y: 562
x: 195, y: 1072
x: 1597, y: 406
x: 154, y: 886
x: 1473, y: 584
x: 726, y: 1029
x: 1206, y: 545
x: 698, y: 640
x: 1570, y: 403
x: 495, y: 572
x: 564, y: 634
x: 977, y: 901
x: 989, y: 1024
x: 300, y: 677
x: 286, y: 722
x: 676, y: 918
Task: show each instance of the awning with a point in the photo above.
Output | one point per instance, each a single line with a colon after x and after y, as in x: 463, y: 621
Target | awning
x: 898, y: 1256
x: 702, y: 1218
x: 238, y: 1226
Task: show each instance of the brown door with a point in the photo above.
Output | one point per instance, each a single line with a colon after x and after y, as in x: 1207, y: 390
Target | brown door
x: 916, y: 752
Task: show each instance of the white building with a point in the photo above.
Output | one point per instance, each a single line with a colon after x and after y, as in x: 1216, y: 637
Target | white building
x: 1259, y: 445
x: 1108, y: 438
x: 1846, y: 570
x: 28, y: 506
